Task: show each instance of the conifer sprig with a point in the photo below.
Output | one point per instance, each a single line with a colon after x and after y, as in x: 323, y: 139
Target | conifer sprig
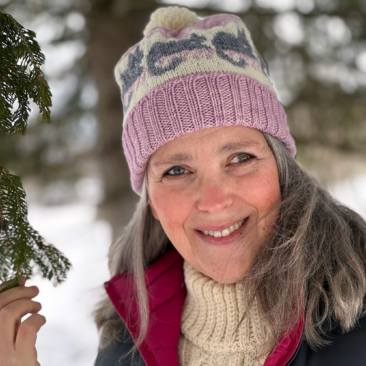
x: 21, y: 77
x: 20, y: 244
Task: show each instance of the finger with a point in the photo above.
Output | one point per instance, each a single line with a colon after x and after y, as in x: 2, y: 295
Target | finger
x: 17, y: 293
x: 27, y: 334
x: 11, y: 314
x: 23, y: 280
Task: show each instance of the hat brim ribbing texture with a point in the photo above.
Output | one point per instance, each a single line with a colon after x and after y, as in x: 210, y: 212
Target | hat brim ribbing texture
x: 206, y: 75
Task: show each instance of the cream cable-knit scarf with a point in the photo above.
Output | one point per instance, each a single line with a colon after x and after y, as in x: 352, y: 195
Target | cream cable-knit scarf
x: 210, y: 316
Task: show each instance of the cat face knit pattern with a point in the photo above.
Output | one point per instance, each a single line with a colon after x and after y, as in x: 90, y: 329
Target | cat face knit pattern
x: 210, y: 317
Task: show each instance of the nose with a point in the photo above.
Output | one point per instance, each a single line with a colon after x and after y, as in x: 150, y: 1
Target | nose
x: 214, y: 199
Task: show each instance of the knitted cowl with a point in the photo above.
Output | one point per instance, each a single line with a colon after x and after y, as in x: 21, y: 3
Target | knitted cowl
x: 209, y: 326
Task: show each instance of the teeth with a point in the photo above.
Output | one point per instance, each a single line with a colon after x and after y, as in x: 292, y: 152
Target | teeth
x: 225, y: 232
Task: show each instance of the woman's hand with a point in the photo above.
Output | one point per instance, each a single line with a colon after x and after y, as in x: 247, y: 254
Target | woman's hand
x: 18, y: 339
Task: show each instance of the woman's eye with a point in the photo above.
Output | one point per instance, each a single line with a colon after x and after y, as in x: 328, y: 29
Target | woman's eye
x: 177, y: 170
x: 241, y: 158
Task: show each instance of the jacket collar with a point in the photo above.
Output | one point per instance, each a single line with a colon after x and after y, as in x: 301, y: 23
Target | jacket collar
x: 166, y: 294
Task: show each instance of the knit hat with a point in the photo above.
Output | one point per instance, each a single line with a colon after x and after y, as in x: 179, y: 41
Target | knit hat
x: 187, y: 74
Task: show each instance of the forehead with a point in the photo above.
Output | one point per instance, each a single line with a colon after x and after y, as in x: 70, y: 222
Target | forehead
x: 212, y: 139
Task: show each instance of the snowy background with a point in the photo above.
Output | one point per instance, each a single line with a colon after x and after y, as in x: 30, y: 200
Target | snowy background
x: 70, y: 336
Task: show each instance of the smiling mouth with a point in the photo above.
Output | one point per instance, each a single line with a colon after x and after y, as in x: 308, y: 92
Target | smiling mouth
x: 225, y: 232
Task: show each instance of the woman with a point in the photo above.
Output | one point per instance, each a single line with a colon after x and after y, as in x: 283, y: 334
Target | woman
x: 234, y: 255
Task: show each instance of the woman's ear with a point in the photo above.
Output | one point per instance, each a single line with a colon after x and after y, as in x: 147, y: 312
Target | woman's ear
x: 153, y: 210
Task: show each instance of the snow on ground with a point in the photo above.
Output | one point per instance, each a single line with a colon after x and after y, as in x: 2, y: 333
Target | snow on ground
x: 70, y: 336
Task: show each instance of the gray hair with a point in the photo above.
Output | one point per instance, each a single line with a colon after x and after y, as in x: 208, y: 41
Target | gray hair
x: 141, y: 242
x: 315, y: 253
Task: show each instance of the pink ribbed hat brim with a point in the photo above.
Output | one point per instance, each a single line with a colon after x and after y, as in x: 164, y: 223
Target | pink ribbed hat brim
x: 191, y: 103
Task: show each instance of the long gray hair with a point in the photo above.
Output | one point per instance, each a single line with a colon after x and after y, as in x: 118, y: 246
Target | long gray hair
x: 315, y: 255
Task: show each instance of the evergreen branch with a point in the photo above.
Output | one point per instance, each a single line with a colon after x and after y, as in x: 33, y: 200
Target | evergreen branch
x: 4, y: 225
x: 20, y: 244
x: 20, y: 31
x: 21, y: 77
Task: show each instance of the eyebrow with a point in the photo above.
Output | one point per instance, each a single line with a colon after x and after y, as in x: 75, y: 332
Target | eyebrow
x: 233, y: 146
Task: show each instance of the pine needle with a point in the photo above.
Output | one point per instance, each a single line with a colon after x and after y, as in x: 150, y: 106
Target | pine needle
x: 20, y: 245
x: 21, y: 77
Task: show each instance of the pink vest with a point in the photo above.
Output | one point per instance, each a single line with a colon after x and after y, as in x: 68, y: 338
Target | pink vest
x: 166, y: 293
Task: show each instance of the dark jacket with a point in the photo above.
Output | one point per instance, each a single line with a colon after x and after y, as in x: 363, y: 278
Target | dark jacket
x: 166, y: 293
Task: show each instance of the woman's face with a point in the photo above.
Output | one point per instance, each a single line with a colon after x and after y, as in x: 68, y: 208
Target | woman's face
x: 203, y: 185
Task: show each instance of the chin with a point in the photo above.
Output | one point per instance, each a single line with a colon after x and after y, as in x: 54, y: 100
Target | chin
x: 222, y: 272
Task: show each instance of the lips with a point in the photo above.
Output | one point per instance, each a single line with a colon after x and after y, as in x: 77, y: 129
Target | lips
x: 231, y: 239
x: 220, y: 227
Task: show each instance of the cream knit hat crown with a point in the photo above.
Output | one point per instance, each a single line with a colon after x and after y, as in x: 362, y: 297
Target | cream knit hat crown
x: 187, y: 74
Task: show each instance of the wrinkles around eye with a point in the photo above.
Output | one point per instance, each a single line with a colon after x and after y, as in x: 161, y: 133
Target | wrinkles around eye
x: 181, y: 171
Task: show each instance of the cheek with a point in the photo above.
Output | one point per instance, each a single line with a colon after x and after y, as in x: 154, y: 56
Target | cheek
x: 262, y: 190
x: 172, y: 210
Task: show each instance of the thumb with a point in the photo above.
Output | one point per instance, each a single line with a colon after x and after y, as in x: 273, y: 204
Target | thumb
x: 23, y: 280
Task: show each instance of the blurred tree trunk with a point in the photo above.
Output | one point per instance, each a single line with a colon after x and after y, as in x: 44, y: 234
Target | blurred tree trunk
x: 114, y: 27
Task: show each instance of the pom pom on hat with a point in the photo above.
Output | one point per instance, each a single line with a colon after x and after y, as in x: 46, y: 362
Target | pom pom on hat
x: 171, y: 17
